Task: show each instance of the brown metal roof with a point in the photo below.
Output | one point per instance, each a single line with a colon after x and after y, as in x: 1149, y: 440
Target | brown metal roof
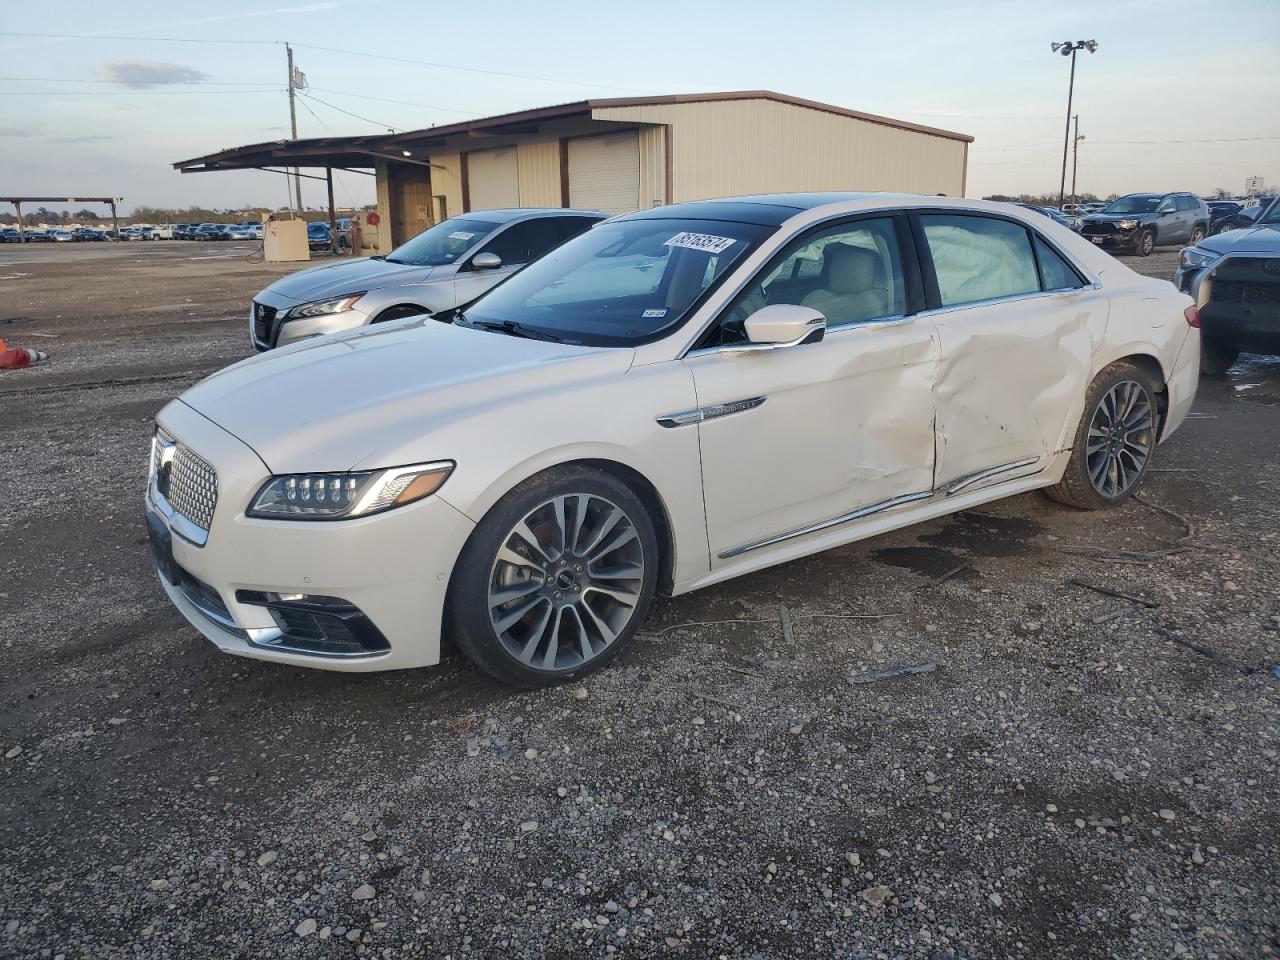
x: 362, y: 151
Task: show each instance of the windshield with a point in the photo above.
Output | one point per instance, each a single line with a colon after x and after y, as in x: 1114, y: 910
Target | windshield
x: 621, y: 283
x: 442, y: 244
x: 1272, y: 215
x: 1139, y: 203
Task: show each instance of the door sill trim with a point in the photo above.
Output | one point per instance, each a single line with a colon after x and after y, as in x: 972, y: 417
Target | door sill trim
x: 827, y: 524
x: 961, y: 483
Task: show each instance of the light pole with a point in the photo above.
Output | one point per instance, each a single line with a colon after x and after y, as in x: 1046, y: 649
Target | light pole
x: 1069, y: 49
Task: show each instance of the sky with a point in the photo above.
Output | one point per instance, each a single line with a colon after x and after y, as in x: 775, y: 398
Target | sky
x: 1181, y: 94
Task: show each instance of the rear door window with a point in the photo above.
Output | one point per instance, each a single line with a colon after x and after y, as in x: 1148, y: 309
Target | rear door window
x: 979, y: 258
x: 1055, y: 272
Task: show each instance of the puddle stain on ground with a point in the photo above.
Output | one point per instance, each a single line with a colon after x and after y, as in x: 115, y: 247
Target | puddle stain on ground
x: 964, y: 536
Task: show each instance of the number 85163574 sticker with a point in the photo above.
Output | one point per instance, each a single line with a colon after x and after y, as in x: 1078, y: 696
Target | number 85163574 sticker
x: 706, y: 242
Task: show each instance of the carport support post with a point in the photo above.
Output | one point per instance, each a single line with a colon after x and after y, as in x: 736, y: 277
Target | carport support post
x: 333, y: 223
x: 115, y: 223
x: 22, y: 232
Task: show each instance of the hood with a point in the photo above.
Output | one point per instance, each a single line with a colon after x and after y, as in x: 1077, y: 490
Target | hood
x: 1253, y: 240
x: 329, y: 404
x: 349, y: 276
x: 1113, y: 217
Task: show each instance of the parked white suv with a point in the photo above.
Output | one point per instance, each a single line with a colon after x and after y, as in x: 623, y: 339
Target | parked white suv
x: 674, y: 398
x: 448, y: 264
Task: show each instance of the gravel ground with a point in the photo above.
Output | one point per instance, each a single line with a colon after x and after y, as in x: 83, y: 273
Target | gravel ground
x: 1066, y: 781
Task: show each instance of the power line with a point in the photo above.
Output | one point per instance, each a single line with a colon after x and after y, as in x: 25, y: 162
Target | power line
x: 157, y: 83
x: 450, y: 66
x: 404, y: 103
x: 104, y: 36
x: 378, y: 123
x: 1109, y: 143
x: 122, y: 93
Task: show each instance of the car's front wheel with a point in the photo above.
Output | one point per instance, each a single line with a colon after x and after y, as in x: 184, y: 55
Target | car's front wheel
x: 555, y: 579
x: 1145, y: 242
x: 1197, y: 234
x: 1114, y: 442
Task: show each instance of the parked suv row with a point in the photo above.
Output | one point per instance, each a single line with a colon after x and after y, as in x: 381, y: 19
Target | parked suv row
x: 1141, y: 221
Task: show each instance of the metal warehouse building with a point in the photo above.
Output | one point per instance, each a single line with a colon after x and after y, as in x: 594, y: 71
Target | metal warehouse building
x: 620, y: 155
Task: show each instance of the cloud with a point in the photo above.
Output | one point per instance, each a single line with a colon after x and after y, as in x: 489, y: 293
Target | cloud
x: 89, y: 139
x: 146, y: 73
x: 31, y: 131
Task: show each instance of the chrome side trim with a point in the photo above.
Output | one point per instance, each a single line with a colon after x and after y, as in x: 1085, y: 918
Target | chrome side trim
x: 896, y: 320
x: 686, y: 417
x: 955, y: 486
x: 826, y: 524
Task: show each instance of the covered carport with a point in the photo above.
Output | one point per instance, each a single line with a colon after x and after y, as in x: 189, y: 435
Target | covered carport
x: 19, y: 201
x: 405, y: 178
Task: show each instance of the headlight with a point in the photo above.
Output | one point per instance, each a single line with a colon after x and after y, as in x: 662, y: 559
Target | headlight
x: 339, y: 496
x: 1193, y: 258
x: 322, y: 308
x: 1127, y: 224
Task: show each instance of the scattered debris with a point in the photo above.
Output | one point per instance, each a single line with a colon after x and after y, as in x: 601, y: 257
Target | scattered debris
x: 788, y: 632
x: 888, y: 673
x: 1204, y: 651
x: 1120, y: 594
x: 946, y: 576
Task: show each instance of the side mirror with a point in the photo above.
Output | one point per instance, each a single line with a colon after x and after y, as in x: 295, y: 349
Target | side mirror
x: 486, y: 261
x: 782, y: 325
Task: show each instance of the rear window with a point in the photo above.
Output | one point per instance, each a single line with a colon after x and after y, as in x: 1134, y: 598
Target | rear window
x: 979, y: 258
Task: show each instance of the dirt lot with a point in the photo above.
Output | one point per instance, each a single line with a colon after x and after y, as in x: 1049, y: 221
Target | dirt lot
x: 1066, y: 783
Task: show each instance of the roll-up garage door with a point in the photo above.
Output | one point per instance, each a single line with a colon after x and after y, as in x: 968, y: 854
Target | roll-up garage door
x: 604, y: 173
x: 492, y: 179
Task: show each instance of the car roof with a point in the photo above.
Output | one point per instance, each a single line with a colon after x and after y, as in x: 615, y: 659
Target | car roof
x: 509, y: 214
x: 769, y: 209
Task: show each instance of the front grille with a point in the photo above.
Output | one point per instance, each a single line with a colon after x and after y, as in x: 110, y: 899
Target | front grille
x: 203, y: 596
x: 1245, y: 292
x: 186, y: 481
x: 1102, y: 229
x: 263, y: 319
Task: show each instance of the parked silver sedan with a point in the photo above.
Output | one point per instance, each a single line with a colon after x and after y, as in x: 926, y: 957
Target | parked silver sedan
x: 449, y: 264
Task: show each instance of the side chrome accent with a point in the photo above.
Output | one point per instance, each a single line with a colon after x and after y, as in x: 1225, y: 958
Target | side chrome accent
x: 686, y: 417
x: 814, y: 333
x: 955, y: 486
x: 827, y: 524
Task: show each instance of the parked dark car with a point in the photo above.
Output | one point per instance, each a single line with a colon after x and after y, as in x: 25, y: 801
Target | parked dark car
x: 39, y: 236
x: 86, y: 234
x: 318, y: 235
x: 1222, y: 214
x: 1057, y: 216
x: 183, y: 231
x: 10, y: 235
x: 1141, y: 221
x: 1248, y: 216
x: 1235, y: 279
x: 209, y: 231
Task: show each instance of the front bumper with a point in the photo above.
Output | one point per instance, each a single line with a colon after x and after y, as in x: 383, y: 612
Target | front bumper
x: 1238, y: 298
x: 394, y: 567
x: 1119, y: 239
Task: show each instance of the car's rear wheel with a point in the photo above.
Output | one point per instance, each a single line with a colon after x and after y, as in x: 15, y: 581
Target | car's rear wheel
x: 1217, y: 356
x: 1197, y: 234
x: 1114, y: 442
x: 1145, y: 242
x: 556, y: 579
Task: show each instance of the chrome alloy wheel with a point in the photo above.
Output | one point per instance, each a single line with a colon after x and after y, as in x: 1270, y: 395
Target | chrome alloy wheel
x: 1121, y: 435
x: 566, y: 582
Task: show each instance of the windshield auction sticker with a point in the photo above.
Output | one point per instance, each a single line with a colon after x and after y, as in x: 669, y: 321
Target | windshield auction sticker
x: 701, y: 241
x: 461, y: 235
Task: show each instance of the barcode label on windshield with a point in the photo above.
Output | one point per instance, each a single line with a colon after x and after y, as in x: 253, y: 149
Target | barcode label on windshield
x: 701, y: 241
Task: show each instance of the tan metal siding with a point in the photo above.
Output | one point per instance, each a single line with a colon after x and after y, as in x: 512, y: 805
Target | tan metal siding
x: 446, y: 180
x: 653, y: 167
x: 539, y: 169
x: 728, y: 147
x: 492, y: 179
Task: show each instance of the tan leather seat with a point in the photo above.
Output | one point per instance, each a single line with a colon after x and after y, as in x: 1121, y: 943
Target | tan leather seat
x: 851, y: 291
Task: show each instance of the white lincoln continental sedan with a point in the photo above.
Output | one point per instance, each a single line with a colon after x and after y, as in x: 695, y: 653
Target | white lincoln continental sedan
x: 671, y: 399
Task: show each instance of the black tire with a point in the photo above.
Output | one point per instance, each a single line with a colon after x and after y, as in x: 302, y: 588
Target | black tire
x: 1077, y: 488
x: 1197, y: 234
x: 399, y: 312
x: 1217, y: 356
x: 1144, y: 242
x: 1223, y: 228
x: 468, y: 619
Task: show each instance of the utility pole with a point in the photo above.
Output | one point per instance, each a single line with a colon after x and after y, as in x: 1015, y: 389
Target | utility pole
x: 1075, y: 157
x: 293, y: 124
x: 1069, y: 49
